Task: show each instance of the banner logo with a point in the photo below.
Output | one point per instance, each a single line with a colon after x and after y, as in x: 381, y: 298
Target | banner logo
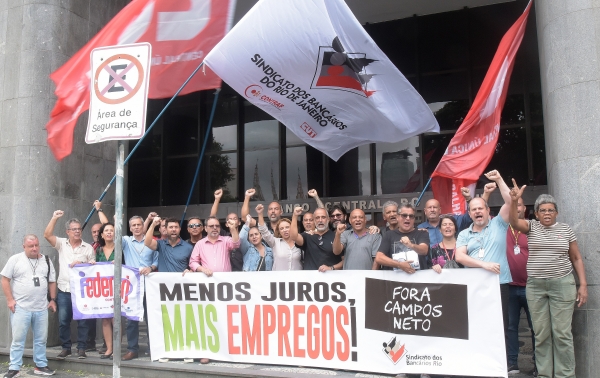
x: 394, y: 350
x: 342, y: 70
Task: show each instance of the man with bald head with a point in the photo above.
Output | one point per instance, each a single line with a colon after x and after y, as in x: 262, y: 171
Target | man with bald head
x: 433, y: 211
x: 318, y: 247
x: 358, y: 246
x: 308, y: 222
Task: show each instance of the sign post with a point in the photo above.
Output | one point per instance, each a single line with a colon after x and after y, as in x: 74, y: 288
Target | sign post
x: 118, y: 103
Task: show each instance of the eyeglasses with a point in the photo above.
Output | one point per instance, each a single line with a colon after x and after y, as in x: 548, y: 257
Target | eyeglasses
x: 213, y: 226
x: 337, y: 215
x: 407, y: 216
x: 194, y: 225
x: 546, y: 211
x: 75, y: 229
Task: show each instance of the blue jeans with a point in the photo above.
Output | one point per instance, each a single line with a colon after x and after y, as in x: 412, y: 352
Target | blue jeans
x: 20, y: 322
x: 65, y: 315
x: 516, y: 300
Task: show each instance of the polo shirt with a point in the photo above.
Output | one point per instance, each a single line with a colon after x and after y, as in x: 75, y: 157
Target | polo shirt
x: 318, y: 250
x: 493, y: 240
x: 359, y: 251
x: 173, y: 259
x: 66, y: 255
x: 137, y: 255
x: 435, y: 235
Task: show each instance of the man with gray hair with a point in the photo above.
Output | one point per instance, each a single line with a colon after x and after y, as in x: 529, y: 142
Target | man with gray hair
x: 71, y: 251
x: 27, y: 278
x: 390, y: 216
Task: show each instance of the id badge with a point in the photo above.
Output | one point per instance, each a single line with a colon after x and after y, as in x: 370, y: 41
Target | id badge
x: 517, y: 250
x: 36, y: 281
x: 481, y: 253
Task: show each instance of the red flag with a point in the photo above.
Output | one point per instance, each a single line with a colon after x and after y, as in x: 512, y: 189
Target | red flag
x: 474, y: 143
x: 181, y: 34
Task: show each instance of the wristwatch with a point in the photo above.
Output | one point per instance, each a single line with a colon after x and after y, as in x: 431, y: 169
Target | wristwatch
x: 100, y: 210
x: 53, y: 299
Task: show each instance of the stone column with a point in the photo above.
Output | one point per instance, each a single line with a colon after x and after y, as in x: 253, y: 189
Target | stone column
x: 569, y: 47
x: 37, y: 37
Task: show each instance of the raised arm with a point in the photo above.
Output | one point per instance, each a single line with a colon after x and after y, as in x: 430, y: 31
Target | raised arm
x: 487, y: 190
x: 148, y: 221
x: 504, y: 191
x: 246, y: 206
x: 338, y: 247
x: 294, y: 235
x: 149, y: 240
x: 513, y: 214
x: 466, y: 193
x: 235, y: 236
x: 49, y: 231
x: 215, y: 207
x: 264, y: 231
x: 244, y: 243
x: 313, y: 193
x: 101, y: 215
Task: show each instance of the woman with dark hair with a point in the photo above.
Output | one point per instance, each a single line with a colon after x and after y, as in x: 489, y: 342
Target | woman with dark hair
x: 551, y: 289
x: 106, y: 252
x: 443, y: 252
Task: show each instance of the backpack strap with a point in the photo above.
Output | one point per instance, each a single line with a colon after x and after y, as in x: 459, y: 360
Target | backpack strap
x: 47, y: 263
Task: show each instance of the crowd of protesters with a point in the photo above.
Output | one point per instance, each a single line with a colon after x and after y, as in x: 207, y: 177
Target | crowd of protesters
x: 534, y: 259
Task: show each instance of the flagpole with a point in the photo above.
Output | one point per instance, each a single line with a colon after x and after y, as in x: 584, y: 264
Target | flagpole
x: 208, y: 128
x: 112, y: 181
x: 423, y: 192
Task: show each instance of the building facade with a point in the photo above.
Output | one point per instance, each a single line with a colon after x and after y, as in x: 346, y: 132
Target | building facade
x: 547, y: 137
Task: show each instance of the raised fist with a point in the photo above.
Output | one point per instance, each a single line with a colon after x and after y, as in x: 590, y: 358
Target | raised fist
x: 298, y: 210
x: 489, y: 187
x: 248, y: 219
x: 313, y: 193
x: 250, y: 192
x: 156, y: 221
x: 231, y: 223
x: 97, y: 204
x: 465, y: 192
x: 260, y: 208
x: 493, y: 175
x: 152, y: 215
x: 218, y: 193
x: 58, y: 214
x: 341, y: 228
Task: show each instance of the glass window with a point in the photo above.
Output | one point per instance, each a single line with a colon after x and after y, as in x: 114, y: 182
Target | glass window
x: 510, y: 157
x: 300, y: 179
x: 181, y: 119
x: 350, y: 175
x: 143, y: 183
x: 444, y: 87
x: 291, y: 139
x: 224, y: 127
x: 434, y: 148
x: 442, y: 42
x: 450, y: 114
x: 397, y: 39
x: 398, y: 167
x: 261, y: 134
x: 222, y: 172
x: 177, y: 180
x: 514, y: 110
x: 262, y: 174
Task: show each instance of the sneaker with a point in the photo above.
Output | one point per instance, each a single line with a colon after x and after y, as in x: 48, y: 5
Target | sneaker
x: 188, y: 360
x: 43, y: 370
x: 163, y: 360
x: 81, y: 354
x: 513, y: 369
x: 12, y: 373
x: 90, y: 348
x: 63, y: 354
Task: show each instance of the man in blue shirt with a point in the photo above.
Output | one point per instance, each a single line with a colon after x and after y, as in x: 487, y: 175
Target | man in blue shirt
x: 433, y: 211
x: 483, y: 244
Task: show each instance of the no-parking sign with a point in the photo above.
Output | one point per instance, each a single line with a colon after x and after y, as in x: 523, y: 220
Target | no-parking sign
x: 119, y: 92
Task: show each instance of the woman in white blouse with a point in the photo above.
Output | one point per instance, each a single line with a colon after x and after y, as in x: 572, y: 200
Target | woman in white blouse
x: 286, y: 255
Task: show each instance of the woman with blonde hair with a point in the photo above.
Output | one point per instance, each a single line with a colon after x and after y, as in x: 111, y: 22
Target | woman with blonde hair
x: 286, y: 255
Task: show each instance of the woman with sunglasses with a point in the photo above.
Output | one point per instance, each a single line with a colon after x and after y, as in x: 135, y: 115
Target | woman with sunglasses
x: 286, y: 255
x: 443, y: 252
x: 257, y: 255
x: 551, y: 289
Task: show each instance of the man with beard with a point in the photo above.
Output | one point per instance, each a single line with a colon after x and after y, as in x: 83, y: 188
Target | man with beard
x: 211, y: 254
x: 318, y: 247
x: 407, y: 234
x: 433, y: 211
x: 173, y: 253
x: 483, y: 244
x: 337, y: 215
x: 359, y: 247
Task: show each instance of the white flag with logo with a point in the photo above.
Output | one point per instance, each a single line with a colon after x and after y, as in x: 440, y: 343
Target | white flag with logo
x: 312, y: 66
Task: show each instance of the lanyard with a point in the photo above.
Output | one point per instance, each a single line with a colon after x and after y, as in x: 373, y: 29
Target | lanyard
x: 33, y: 268
x: 445, y: 250
x: 515, y: 234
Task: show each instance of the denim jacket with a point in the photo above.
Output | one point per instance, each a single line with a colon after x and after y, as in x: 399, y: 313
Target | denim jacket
x: 251, y: 254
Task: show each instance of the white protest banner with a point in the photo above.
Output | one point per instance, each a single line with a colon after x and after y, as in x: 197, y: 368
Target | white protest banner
x: 375, y: 321
x: 92, y: 291
x: 312, y: 66
x: 118, y: 92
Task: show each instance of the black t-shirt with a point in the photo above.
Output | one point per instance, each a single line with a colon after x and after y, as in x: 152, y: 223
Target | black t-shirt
x: 318, y: 250
x: 415, y: 236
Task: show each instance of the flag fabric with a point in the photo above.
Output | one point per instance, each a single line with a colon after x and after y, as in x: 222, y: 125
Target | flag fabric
x: 312, y: 66
x: 474, y: 143
x: 181, y: 34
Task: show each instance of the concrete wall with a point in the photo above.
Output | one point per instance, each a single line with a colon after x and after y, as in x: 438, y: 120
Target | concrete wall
x: 569, y: 44
x: 37, y: 37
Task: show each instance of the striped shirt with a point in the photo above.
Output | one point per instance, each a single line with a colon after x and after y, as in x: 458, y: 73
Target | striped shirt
x: 549, y: 250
